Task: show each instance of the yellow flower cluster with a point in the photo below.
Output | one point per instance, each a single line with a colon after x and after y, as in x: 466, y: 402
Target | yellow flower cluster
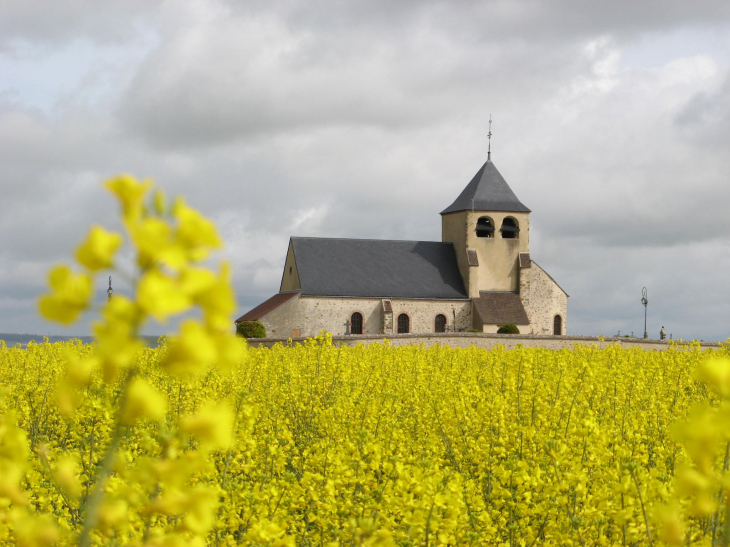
x: 87, y: 490
x: 205, y: 442
x: 369, y: 446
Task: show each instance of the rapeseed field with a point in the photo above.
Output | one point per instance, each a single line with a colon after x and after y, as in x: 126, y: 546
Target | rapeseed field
x: 205, y: 441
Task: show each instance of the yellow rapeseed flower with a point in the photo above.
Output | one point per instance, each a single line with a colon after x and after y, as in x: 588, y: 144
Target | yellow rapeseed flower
x: 70, y: 295
x: 218, y: 301
x: 34, y: 531
x: 142, y: 402
x: 131, y: 194
x: 212, y: 425
x: 231, y: 351
x: 156, y: 243
x: 190, y: 353
x: 265, y: 531
x: 196, y: 232
x: 116, y: 347
x: 199, y: 515
x: 716, y: 372
x: 67, y: 476
x: 97, y: 252
x: 159, y: 295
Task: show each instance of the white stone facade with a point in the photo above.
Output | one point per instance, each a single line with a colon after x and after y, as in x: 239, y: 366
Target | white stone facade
x: 543, y: 300
x: 308, y: 315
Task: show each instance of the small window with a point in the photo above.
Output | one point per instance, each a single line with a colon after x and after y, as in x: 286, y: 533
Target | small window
x: 557, y: 326
x: 510, y: 229
x: 404, y: 324
x: 440, y: 323
x: 356, y: 323
x: 485, y: 227
x: 289, y: 270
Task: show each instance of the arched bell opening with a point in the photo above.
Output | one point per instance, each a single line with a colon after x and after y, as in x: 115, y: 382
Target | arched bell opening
x: 510, y: 228
x: 485, y: 227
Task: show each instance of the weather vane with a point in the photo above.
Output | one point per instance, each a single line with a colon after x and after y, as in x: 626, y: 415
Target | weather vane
x: 489, y: 138
x: 110, y: 291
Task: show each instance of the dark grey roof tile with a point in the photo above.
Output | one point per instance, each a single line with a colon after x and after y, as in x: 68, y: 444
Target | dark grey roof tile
x: 377, y: 268
x: 489, y: 191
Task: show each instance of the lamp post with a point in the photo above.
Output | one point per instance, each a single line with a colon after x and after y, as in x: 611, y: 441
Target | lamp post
x: 110, y: 291
x: 645, y: 301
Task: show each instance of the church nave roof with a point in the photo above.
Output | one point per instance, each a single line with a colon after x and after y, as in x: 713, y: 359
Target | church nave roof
x: 377, y: 268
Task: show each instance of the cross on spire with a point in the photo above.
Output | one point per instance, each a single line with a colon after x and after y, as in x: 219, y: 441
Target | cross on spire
x: 489, y: 137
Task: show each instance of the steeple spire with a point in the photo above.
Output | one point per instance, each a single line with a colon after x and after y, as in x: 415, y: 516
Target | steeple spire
x: 489, y: 137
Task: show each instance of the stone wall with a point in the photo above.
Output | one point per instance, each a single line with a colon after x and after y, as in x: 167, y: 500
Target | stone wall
x: 310, y: 315
x: 543, y: 300
x: 498, y: 270
x: 285, y: 320
x: 488, y: 341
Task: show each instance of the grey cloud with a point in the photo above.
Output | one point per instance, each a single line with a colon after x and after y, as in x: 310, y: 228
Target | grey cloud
x: 53, y: 23
x: 226, y: 78
x: 525, y: 19
x: 243, y: 73
x: 706, y: 118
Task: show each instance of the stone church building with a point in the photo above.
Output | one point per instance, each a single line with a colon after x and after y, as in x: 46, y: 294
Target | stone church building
x: 479, y: 276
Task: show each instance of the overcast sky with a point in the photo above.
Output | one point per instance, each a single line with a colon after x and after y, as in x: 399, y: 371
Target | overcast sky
x: 365, y: 119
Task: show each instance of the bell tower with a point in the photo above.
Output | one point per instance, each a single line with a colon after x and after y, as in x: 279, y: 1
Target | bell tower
x: 489, y: 228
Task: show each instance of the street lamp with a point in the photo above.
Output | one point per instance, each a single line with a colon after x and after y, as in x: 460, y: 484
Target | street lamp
x: 644, y: 301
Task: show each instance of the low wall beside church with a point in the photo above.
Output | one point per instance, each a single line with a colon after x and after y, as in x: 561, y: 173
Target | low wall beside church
x: 488, y: 341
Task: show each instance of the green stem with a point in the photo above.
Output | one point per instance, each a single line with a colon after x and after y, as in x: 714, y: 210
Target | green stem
x: 643, y: 511
x: 97, y: 495
x: 94, y: 501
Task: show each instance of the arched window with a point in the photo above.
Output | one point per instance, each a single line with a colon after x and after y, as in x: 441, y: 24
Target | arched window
x: 404, y: 324
x: 510, y: 229
x: 356, y: 323
x: 440, y: 323
x: 485, y: 227
x: 558, y: 326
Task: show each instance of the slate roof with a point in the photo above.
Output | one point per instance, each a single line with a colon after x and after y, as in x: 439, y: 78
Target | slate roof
x: 266, y: 307
x: 377, y: 268
x: 489, y: 191
x: 500, y: 308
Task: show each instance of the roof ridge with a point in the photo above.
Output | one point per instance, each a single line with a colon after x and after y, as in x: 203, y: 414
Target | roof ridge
x: 371, y: 239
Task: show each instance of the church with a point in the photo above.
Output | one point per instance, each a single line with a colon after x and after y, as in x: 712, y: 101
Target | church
x: 480, y: 276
